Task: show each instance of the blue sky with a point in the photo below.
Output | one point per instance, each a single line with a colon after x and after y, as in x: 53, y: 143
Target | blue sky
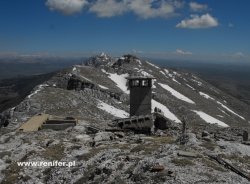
x: 175, y: 29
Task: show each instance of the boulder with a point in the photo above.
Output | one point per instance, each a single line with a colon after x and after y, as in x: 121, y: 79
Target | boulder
x: 161, y: 122
x: 104, y: 136
x: 204, y: 134
x: 82, y: 138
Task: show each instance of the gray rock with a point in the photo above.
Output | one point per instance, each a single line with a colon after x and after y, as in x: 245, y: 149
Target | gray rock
x: 104, y: 136
x: 204, y: 134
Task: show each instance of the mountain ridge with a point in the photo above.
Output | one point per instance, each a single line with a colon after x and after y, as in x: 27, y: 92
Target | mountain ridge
x: 103, y: 73
x: 96, y: 93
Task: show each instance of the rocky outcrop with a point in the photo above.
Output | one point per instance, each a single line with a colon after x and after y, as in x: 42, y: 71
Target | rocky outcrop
x: 100, y: 60
x: 126, y: 59
x: 76, y: 83
x: 4, y: 119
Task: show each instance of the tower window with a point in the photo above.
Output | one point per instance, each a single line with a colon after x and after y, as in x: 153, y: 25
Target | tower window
x: 135, y: 83
x: 145, y: 83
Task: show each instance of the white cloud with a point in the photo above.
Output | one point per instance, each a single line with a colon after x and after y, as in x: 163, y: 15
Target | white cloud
x: 108, y: 8
x: 144, y: 9
x: 197, y: 7
x: 182, y: 52
x: 67, y: 7
x: 151, y: 8
x: 198, y: 22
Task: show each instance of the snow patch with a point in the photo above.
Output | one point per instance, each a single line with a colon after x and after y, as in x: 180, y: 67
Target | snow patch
x: 167, y: 113
x: 176, y: 81
x: 229, y: 110
x: 104, y: 56
x: 153, y: 65
x: 210, y: 119
x: 190, y: 86
x: 176, y: 93
x: 40, y: 87
x: 112, y: 110
x: 198, y: 82
x: 167, y: 72
x: 206, y: 96
x: 138, y: 61
x: 85, y: 78
x: 223, y: 111
x: 175, y: 73
x: 220, y: 116
x: 185, y: 79
x: 120, y: 80
x: 214, y: 90
x: 104, y: 71
x: 103, y: 87
x: 162, y: 73
x: 146, y: 74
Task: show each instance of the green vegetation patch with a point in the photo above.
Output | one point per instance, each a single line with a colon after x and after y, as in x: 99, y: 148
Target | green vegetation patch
x: 54, y: 152
x: 153, y: 144
x: 11, y: 174
x: 213, y: 165
x: 182, y: 162
x: 209, y: 145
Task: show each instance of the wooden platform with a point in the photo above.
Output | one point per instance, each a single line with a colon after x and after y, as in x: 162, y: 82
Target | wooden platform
x: 34, y: 123
x: 46, y: 121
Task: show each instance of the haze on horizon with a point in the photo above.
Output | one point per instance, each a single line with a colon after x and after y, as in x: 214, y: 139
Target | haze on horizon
x: 168, y: 29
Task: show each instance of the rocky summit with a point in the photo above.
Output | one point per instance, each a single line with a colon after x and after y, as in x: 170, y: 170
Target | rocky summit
x: 201, y: 135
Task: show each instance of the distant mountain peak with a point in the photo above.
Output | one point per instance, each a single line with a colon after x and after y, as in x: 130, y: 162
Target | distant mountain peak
x: 103, y: 54
x: 99, y: 60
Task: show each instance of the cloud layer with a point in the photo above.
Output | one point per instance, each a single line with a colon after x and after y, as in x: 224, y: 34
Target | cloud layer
x: 108, y: 8
x: 151, y: 8
x: 196, y: 7
x: 66, y: 7
x: 144, y: 9
x: 198, y: 22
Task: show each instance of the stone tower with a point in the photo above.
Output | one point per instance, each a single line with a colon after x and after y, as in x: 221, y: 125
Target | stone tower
x: 140, y: 95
